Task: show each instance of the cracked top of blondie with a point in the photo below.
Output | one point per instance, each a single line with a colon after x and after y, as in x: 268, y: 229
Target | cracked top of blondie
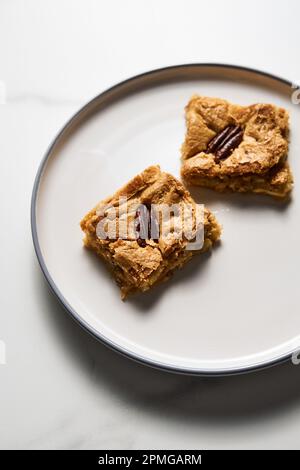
x: 264, y: 143
x: 138, y: 264
x: 236, y: 148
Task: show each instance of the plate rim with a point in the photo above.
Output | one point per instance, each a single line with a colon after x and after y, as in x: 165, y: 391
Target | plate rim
x: 56, y: 291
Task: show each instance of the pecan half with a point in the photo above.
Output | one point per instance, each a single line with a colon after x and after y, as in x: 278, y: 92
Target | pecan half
x: 223, y: 144
x: 147, y: 225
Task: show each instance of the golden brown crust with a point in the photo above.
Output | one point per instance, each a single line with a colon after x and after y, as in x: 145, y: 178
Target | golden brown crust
x: 135, y: 267
x: 263, y: 149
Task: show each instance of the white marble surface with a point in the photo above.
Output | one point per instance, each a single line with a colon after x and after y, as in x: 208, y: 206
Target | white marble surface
x: 59, y: 387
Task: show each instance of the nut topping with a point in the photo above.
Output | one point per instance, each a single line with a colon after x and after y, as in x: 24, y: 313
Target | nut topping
x: 223, y: 144
x: 147, y: 225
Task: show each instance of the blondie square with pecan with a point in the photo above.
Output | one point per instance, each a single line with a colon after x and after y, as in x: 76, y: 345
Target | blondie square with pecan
x: 237, y: 148
x: 142, y: 246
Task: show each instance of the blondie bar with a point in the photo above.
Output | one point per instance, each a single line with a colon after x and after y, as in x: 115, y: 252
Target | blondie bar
x: 139, y: 259
x: 237, y: 148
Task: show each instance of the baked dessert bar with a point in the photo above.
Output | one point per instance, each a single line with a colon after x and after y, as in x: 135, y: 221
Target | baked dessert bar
x: 138, y: 263
x: 237, y: 148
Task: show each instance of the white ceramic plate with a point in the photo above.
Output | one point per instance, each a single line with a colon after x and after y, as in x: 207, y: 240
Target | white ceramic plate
x: 233, y: 311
